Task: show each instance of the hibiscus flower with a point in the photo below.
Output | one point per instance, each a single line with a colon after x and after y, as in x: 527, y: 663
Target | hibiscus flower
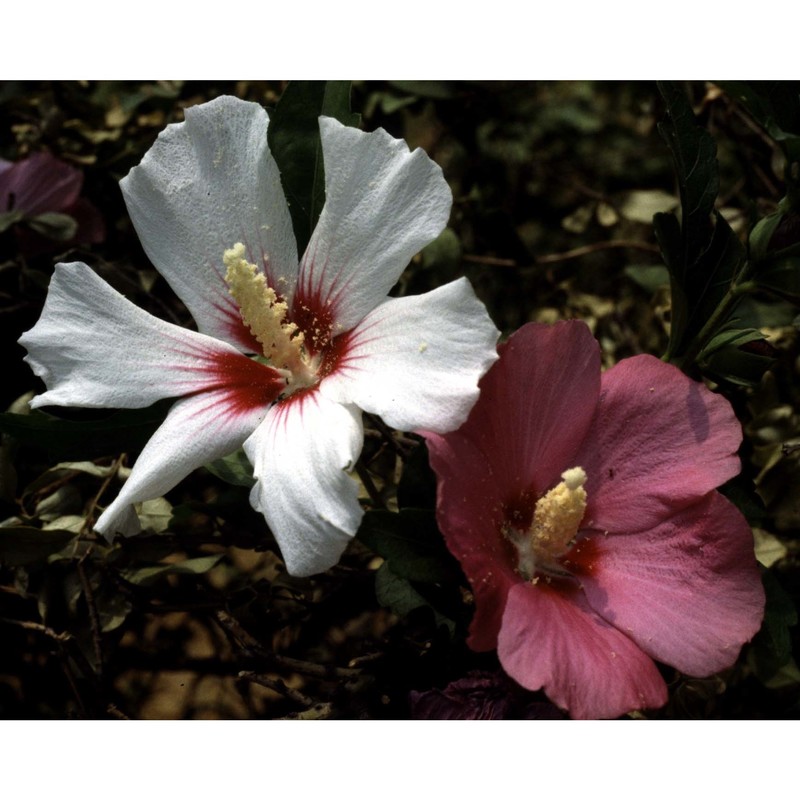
x: 209, y: 209
x: 582, y: 509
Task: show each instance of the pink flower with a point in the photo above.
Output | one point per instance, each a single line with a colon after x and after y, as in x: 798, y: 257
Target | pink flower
x: 328, y: 342
x: 42, y: 184
x: 583, y: 511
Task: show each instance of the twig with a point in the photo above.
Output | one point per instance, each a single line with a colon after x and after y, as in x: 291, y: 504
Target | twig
x: 369, y: 485
x: 277, y: 685
x: 588, y: 249
x: 68, y: 648
x: 94, y: 618
x: 490, y: 261
x: 96, y: 499
x: 389, y: 437
x: 249, y: 643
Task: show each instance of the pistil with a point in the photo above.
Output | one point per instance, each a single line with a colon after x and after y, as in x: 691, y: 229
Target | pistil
x: 265, y: 315
x: 557, y: 517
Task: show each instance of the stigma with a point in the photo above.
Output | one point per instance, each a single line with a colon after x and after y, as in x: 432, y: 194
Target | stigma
x: 265, y: 314
x: 558, y: 514
x: 556, y: 522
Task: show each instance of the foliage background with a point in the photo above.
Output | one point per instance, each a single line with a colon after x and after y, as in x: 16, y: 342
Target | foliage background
x: 555, y: 186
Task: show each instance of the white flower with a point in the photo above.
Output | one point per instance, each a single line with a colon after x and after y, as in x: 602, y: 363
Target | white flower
x: 209, y: 209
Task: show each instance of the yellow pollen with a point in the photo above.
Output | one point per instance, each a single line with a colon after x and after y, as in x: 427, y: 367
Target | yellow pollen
x: 558, y: 514
x: 281, y: 342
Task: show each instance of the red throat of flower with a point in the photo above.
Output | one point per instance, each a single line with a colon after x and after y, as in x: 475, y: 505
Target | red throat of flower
x: 302, y: 353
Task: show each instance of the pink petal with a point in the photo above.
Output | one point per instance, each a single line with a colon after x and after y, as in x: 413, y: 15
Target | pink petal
x: 688, y: 591
x: 301, y: 456
x: 470, y: 512
x: 383, y: 204
x: 536, y: 405
x: 197, y: 430
x: 552, y: 640
x: 95, y: 349
x: 416, y: 361
x: 659, y: 442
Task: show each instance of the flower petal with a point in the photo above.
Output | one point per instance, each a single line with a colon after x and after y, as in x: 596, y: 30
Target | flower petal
x: 536, y: 405
x: 688, y: 591
x: 206, y: 184
x: 659, y: 441
x: 301, y: 455
x: 553, y: 641
x: 95, y: 349
x: 416, y: 361
x: 383, y: 204
x: 40, y: 183
x: 469, y: 510
x: 197, y: 430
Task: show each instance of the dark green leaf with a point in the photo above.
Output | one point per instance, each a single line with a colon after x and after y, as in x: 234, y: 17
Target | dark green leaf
x: 703, y: 254
x: 650, y: 277
x: 22, y: 545
x: 295, y: 143
x: 144, y: 576
x: 234, y: 469
x: 775, y: 105
x: 772, y: 646
x: 122, y: 431
x: 410, y: 541
x: 737, y: 366
x: 9, y: 218
x: 694, y: 157
x: 60, y: 227
x: 398, y: 594
x: 782, y: 277
x: 761, y: 235
x: 417, y: 487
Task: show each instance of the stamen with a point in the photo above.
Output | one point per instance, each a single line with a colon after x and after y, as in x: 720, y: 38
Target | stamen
x: 558, y: 514
x: 262, y: 313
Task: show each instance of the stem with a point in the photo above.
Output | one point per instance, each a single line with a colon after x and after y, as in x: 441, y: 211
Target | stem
x: 726, y: 305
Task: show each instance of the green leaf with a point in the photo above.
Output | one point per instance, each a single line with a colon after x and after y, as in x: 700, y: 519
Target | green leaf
x: 737, y: 366
x: 772, y: 645
x: 235, y: 469
x: 60, y: 227
x: 295, y: 143
x: 398, y: 594
x: 775, y: 105
x: 123, y: 431
x: 411, y: 543
x: 22, y: 545
x: 782, y: 277
x: 417, y: 486
x: 9, y: 218
x: 761, y: 235
x: 144, y: 576
x: 703, y: 254
x: 650, y: 277
x: 694, y: 157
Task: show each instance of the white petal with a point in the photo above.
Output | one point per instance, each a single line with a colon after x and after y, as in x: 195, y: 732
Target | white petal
x: 197, y: 430
x: 93, y: 348
x: 206, y: 184
x: 383, y: 204
x: 301, y: 455
x: 416, y: 361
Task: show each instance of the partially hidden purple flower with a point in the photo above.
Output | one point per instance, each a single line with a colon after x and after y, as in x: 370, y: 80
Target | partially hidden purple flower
x: 34, y: 189
x: 480, y: 695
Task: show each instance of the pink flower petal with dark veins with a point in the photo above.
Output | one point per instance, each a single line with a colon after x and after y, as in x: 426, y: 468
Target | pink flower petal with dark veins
x: 659, y: 442
x: 687, y: 591
x: 552, y: 640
